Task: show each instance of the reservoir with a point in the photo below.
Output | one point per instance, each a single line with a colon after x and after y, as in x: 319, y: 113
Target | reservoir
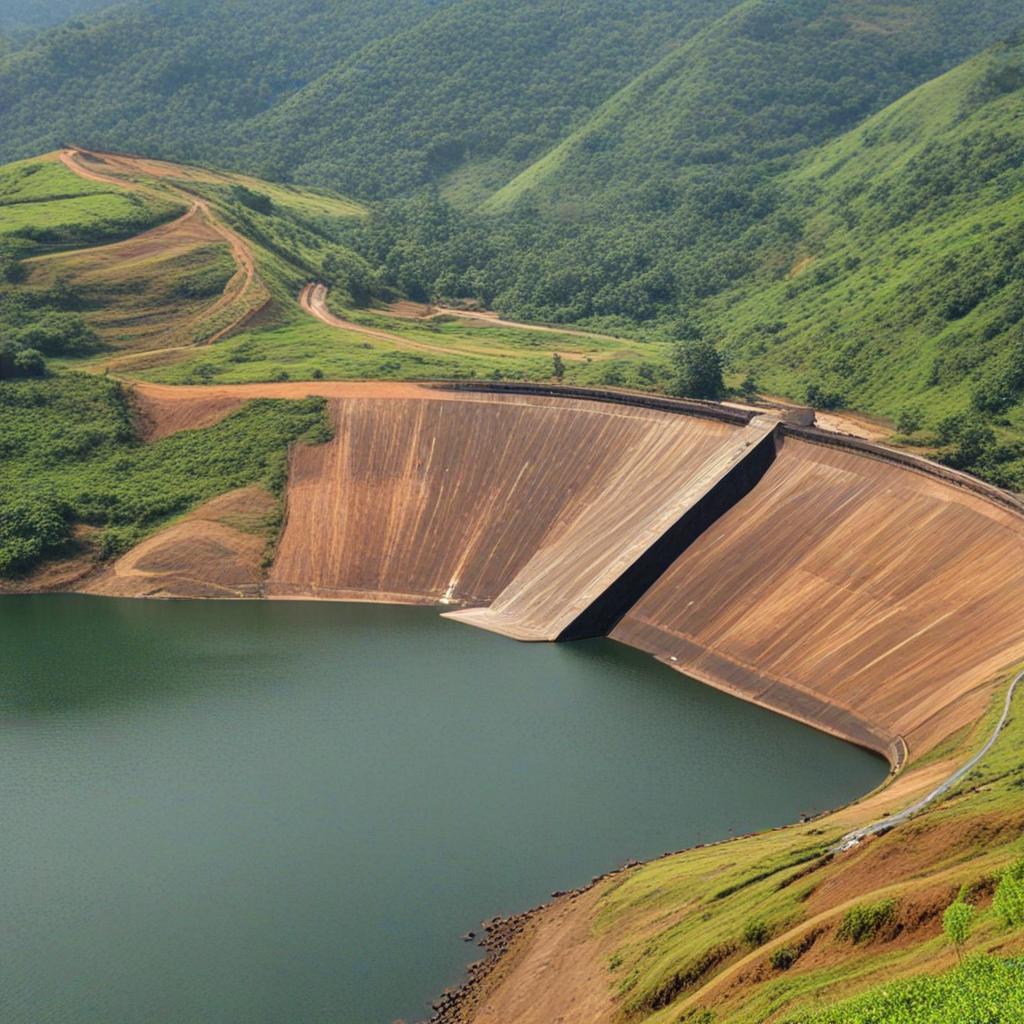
x: 239, y: 812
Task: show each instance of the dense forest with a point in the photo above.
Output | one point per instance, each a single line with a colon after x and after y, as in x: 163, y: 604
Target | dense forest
x: 20, y: 15
x: 174, y: 77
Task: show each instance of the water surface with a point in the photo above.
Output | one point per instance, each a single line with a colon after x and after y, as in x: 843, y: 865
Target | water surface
x: 230, y: 813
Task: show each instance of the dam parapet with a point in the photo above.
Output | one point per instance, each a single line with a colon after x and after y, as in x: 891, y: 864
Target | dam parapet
x: 582, y: 582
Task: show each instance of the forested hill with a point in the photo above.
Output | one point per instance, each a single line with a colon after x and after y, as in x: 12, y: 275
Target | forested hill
x: 175, y: 78
x: 376, y: 99
x: 472, y: 95
x: 32, y: 14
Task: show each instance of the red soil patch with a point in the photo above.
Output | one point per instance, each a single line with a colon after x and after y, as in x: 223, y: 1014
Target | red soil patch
x: 215, y: 552
x: 165, y: 409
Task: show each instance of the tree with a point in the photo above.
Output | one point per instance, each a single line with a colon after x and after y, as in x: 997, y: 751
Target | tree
x: 957, y: 922
x: 697, y: 371
x: 557, y: 367
x: 909, y: 420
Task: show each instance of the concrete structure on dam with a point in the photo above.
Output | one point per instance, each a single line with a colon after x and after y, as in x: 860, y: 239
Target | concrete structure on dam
x: 868, y: 593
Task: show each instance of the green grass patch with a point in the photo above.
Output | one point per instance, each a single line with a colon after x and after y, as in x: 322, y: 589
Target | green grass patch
x: 984, y: 990
x: 69, y: 454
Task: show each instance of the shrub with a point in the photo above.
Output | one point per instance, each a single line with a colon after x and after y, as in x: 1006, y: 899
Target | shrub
x: 697, y: 371
x: 821, y: 398
x: 957, y: 922
x: 29, y: 527
x: 909, y: 421
x: 784, y: 958
x: 59, y: 334
x: 1008, y: 901
x: 18, y: 361
x: 862, y: 923
x: 68, y: 453
x: 756, y: 933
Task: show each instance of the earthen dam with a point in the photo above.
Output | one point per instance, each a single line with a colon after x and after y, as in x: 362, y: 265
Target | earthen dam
x: 860, y: 590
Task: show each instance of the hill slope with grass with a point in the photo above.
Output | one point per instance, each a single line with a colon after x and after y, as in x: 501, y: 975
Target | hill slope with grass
x: 888, y: 278
x: 106, y: 254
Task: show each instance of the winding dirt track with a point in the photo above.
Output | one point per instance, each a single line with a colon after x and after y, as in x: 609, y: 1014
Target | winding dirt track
x: 122, y: 172
x: 313, y: 300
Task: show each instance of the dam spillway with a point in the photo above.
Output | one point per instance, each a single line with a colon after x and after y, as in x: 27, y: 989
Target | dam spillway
x: 862, y: 591
x: 581, y: 583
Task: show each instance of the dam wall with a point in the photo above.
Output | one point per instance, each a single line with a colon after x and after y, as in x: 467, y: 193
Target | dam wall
x: 865, y: 597
x: 868, y: 592
x: 444, y: 498
x: 595, y: 568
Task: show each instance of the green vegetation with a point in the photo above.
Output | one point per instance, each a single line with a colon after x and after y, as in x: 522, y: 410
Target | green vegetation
x: 984, y: 990
x: 69, y: 456
x: 32, y: 14
x: 756, y: 933
x: 957, y: 922
x: 298, y: 348
x: 43, y: 204
x: 698, y: 370
x: 181, y: 79
x: 1009, y: 897
x: 862, y: 923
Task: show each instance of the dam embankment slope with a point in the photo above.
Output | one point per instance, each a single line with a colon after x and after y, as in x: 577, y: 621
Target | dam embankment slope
x: 449, y: 500
x: 863, y: 591
x: 859, y: 595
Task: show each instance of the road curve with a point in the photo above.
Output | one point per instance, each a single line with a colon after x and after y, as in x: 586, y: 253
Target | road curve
x: 245, y: 278
x: 313, y: 300
x: 851, y: 839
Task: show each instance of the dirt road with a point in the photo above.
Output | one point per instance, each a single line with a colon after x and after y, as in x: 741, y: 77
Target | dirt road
x: 244, y: 288
x: 313, y: 300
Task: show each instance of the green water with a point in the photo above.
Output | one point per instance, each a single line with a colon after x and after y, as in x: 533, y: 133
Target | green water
x: 232, y: 813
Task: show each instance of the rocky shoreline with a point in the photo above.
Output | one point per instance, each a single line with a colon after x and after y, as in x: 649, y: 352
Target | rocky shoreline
x: 457, y: 1005
x: 498, y: 939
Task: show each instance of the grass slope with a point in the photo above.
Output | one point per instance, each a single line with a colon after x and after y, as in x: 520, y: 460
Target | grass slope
x: 177, y: 286
x: 899, y: 288
x: 43, y: 204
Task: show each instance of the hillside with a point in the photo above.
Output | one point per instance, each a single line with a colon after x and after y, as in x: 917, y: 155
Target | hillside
x: 105, y: 254
x: 875, y: 271
x: 404, y: 113
x: 888, y: 278
x: 171, y: 77
x: 32, y: 14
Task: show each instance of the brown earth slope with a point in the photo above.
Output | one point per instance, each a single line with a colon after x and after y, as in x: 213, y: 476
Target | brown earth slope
x: 446, y: 500
x: 216, y: 551
x: 850, y: 593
